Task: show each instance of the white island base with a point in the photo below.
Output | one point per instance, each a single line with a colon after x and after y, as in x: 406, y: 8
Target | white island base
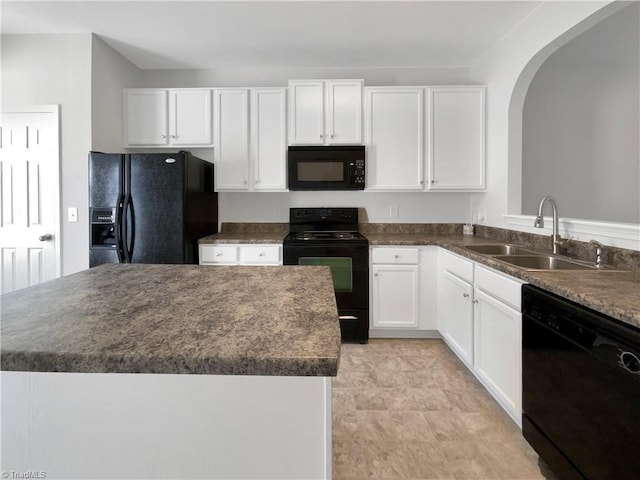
x: 152, y: 426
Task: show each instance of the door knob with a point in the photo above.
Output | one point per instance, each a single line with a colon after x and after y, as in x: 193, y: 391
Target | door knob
x: 45, y: 238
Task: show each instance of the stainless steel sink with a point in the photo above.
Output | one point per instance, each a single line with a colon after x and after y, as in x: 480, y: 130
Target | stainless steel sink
x: 499, y: 249
x: 543, y: 262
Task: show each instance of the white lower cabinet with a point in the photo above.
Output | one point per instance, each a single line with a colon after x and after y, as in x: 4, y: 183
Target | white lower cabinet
x: 455, y: 314
x: 497, y: 358
x: 241, y: 254
x: 402, y: 293
x: 395, y: 296
x: 479, y: 318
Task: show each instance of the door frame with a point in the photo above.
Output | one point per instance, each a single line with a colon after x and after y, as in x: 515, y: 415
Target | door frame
x: 57, y: 226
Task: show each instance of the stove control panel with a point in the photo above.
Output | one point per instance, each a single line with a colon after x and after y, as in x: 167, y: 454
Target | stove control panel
x: 323, y: 215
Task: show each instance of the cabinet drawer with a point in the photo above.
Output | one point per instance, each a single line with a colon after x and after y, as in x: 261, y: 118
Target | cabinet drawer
x: 506, y: 289
x: 218, y: 254
x: 260, y: 254
x: 395, y: 255
x: 459, y: 266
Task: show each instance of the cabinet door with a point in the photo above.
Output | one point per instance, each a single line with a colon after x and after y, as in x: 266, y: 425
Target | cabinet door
x: 498, y: 351
x: 455, y: 315
x: 395, y: 296
x: 456, y: 138
x: 146, y: 117
x: 394, y: 138
x: 306, y: 112
x: 344, y: 111
x: 190, y: 118
x: 231, y: 153
x: 269, y: 138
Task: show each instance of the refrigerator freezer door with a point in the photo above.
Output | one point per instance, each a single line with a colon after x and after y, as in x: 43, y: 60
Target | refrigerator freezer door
x: 106, y: 186
x: 156, y: 216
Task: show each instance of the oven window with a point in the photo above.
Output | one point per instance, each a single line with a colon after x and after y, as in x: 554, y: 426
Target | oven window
x: 341, y: 270
x: 320, y: 171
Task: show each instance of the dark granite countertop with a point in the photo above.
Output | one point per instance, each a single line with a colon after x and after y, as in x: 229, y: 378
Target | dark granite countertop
x: 614, y: 293
x: 188, y: 319
x: 248, y: 233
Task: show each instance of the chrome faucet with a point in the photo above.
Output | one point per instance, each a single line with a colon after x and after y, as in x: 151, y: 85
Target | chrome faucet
x: 556, y: 240
x: 598, y: 246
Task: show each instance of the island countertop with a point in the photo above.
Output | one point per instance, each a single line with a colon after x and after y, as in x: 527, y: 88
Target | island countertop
x: 188, y: 319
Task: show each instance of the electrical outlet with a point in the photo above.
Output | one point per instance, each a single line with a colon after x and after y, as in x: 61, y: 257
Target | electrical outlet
x: 394, y: 211
x: 72, y: 214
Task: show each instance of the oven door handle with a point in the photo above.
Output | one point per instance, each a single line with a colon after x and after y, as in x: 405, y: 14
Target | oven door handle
x: 347, y: 317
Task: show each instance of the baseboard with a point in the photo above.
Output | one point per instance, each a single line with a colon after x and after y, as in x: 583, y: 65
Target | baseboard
x: 398, y: 333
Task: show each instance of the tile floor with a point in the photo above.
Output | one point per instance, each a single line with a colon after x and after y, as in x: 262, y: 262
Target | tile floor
x: 409, y: 409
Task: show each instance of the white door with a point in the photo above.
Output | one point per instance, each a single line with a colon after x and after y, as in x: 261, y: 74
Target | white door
x: 231, y: 151
x: 29, y: 190
x: 394, y: 138
x: 146, y: 117
x: 455, y: 315
x: 306, y: 112
x: 269, y: 138
x: 456, y: 138
x: 395, y: 296
x: 344, y: 111
x: 498, y: 351
x: 190, y: 119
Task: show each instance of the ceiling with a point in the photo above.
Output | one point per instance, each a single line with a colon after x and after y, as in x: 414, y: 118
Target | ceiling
x: 267, y: 34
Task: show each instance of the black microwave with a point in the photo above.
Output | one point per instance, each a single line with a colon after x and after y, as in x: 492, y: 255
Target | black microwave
x: 326, y: 168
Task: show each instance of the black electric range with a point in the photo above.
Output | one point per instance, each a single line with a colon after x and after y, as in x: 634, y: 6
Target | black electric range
x: 329, y: 236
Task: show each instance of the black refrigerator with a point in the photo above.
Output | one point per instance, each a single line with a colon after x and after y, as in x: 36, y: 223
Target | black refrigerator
x: 149, y: 207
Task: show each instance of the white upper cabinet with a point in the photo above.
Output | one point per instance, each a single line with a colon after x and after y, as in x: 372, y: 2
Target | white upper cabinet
x: 231, y: 154
x: 394, y: 134
x: 146, y: 115
x: 456, y: 138
x: 251, y: 139
x: 344, y: 111
x: 167, y: 117
x: 190, y: 117
x: 325, y: 112
x: 269, y: 138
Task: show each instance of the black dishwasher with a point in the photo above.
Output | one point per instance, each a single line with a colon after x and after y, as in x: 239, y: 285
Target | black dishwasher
x: 580, y: 388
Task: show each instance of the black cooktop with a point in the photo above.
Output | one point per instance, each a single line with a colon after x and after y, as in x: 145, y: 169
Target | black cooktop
x: 324, y: 225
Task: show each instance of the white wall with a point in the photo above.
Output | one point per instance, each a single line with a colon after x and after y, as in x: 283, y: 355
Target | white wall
x: 411, y: 207
x: 56, y: 69
x: 110, y: 73
x: 507, y: 69
x: 581, y: 125
x: 279, y: 77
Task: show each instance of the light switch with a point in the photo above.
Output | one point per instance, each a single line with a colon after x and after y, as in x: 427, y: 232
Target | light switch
x: 72, y: 214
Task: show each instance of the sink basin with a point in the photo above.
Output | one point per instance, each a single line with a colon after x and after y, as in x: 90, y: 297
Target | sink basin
x: 499, y: 249
x: 543, y: 262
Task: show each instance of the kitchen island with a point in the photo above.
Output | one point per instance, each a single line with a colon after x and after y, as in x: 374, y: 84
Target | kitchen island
x: 171, y: 371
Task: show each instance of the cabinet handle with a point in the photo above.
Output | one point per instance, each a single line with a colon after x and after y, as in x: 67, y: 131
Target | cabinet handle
x: 333, y: 135
x: 434, y: 181
x: 475, y: 301
x: 163, y: 136
x: 465, y: 295
x: 218, y: 254
x: 321, y: 136
x: 174, y: 136
x: 261, y: 254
